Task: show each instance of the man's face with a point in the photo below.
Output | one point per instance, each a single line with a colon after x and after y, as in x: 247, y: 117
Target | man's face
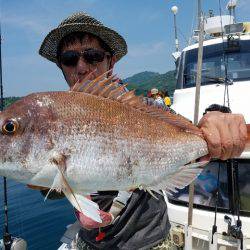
x: 82, y: 67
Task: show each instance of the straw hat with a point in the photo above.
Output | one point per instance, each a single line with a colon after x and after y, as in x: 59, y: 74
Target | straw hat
x: 84, y: 23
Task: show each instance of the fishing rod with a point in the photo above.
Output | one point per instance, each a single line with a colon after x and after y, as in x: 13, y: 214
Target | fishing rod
x: 9, y: 242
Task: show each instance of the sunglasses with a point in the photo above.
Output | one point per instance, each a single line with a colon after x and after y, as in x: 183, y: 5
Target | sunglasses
x: 70, y: 58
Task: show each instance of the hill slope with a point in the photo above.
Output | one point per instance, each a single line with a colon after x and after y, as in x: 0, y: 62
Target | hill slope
x: 145, y: 81
x: 141, y: 82
x: 10, y: 100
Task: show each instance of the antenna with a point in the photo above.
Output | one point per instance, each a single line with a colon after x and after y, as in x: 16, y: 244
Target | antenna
x: 177, y: 53
x: 199, y: 13
x: 174, y: 9
x: 231, y: 5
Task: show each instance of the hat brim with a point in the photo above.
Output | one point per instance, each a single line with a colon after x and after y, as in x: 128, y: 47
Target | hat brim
x: 115, y: 41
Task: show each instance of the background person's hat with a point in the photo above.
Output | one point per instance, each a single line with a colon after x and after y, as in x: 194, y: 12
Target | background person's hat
x: 154, y: 91
x: 82, y: 22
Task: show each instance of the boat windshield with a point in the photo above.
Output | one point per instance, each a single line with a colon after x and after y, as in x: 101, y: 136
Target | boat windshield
x: 215, y: 57
x: 206, y: 186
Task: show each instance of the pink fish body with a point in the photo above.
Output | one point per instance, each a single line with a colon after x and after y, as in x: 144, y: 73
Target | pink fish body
x: 98, y: 139
x: 107, y: 145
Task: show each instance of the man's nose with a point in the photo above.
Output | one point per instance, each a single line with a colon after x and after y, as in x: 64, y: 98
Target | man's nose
x: 82, y: 66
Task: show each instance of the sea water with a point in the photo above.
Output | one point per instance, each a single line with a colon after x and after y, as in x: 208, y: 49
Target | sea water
x: 41, y: 223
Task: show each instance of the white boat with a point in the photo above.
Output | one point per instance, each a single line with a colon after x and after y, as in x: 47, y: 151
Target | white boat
x: 225, y: 81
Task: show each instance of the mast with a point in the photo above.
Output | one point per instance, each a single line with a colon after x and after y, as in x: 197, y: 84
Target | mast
x: 231, y: 8
x: 198, y: 14
x: 196, y: 115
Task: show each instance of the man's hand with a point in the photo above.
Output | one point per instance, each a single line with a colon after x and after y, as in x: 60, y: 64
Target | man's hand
x: 89, y: 224
x: 226, y: 134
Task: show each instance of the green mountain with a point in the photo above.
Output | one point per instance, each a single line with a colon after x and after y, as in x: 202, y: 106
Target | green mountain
x: 145, y: 81
x: 9, y: 100
x: 141, y: 82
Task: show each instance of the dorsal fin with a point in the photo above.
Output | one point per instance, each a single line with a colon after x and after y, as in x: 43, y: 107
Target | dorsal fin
x: 115, y: 93
x: 109, y: 88
x: 80, y: 86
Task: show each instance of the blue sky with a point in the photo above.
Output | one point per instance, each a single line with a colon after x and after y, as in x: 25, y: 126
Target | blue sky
x: 147, y: 26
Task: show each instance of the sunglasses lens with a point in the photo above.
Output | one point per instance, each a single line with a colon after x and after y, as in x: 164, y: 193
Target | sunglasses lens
x: 70, y: 58
x: 93, y: 55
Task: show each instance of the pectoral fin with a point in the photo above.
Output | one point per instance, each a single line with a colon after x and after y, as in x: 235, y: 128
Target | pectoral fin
x: 81, y: 203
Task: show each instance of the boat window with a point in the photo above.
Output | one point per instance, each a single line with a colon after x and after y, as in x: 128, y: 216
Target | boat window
x: 213, y: 67
x: 206, y: 187
x: 244, y: 185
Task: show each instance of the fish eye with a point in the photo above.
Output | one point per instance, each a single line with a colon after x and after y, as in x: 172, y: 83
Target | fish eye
x: 10, y: 127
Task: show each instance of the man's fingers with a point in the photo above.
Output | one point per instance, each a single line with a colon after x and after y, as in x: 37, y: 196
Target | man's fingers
x: 89, y: 224
x: 243, y: 131
x: 227, y: 143
x: 205, y: 158
x: 237, y: 138
x: 213, y: 140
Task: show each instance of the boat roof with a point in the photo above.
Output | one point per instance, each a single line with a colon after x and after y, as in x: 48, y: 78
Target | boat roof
x: 217, y: 40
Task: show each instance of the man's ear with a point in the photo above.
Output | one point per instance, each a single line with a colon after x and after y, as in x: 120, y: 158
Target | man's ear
x: 112, y: 64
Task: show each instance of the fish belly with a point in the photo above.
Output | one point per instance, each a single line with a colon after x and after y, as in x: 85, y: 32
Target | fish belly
x: 102, y: 164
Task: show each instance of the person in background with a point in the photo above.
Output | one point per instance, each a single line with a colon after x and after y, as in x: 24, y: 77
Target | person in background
x: 158, y: 98
x: 154, y: 91
x: 159, y: 102
x: 79, y: 45
x: 149, y: 95
x: 149, y: 100
x: 167, y: 99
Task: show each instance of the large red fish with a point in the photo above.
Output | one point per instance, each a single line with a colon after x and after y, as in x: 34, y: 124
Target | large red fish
x: 97, y: 139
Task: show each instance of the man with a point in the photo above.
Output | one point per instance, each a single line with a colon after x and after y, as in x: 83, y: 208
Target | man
x: 81, y: 45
